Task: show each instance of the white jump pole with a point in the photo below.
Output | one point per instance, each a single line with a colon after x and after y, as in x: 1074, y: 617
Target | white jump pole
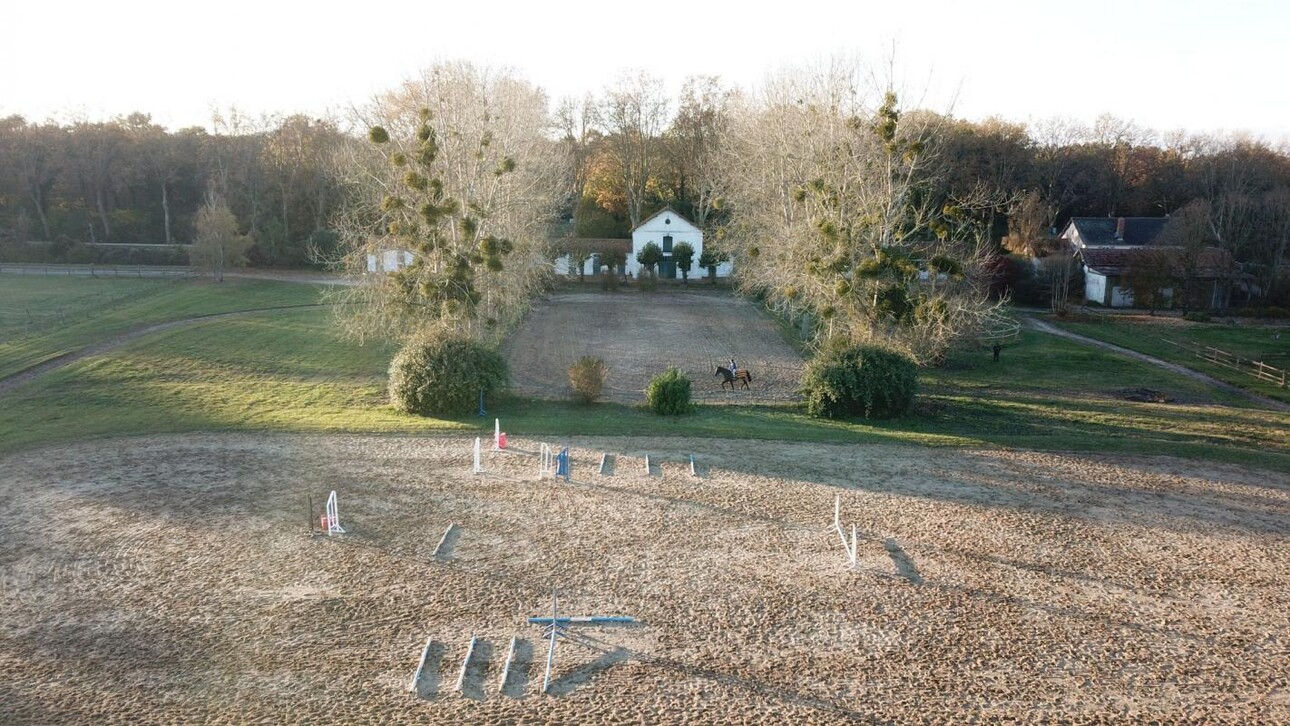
x: 421, y: 664
x: 465, y: 664
x: 550, y: 653
x: 443, y: 539
x: 506, y: 669
x: 604, y: 457
x: 497, y: 434
x: 693, y: 473
x: 479, y: 468
x: 837, y: 513
x: 853, y: 545
x: 647, y: 465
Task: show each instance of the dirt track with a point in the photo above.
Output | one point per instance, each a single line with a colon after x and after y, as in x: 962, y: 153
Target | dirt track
x: 693, y: 331
x: 171, y: 580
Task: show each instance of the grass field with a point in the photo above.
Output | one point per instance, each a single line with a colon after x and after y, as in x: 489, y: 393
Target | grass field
x: 289, y: 371
x: 1150, y: 335
x: 45, y: 317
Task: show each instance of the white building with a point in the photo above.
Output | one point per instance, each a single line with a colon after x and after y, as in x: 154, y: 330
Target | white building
x: 388, y: 260
x: 668, y: 229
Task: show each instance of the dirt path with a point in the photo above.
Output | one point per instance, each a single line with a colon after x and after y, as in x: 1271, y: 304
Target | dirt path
x: 17, y: 379
x: 1264, y: 401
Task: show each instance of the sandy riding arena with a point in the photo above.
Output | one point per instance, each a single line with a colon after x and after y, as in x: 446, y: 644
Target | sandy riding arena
x: 174, y: 580
x: 640, y: 335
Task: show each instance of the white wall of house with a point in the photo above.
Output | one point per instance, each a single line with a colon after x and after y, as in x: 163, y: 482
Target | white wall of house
x: 564, y: 267
x: 1094, y: 287
x: 388, y: 260
x: 668, y: 223
x: 1121, y: 297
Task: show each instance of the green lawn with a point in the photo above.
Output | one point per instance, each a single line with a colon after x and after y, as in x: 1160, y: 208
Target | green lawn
x: 289, y: 371
x: 45, y: 317
x: 1148, y: 336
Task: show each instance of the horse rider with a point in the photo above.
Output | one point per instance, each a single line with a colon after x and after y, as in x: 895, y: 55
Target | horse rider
x: 734, y: 367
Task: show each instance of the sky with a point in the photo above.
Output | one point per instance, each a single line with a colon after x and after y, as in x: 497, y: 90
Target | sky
x: 1167, y: 65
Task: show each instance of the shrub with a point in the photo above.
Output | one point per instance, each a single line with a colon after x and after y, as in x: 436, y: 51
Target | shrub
x: 669, y: 393
x: 444, y: 377
x: 1196, y: 317
x: 587, y: 378
x: 860, y: 381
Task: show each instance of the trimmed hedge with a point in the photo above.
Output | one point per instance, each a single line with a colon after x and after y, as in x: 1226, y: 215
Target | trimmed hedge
x: 444, y: 377
x: 861, y: 381
x: 669, y: 393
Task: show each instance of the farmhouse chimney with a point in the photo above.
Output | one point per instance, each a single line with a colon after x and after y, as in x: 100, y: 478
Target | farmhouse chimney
x: 1119, y: 229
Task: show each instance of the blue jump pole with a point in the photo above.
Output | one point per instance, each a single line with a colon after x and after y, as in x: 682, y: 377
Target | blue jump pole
x: 592, y: 619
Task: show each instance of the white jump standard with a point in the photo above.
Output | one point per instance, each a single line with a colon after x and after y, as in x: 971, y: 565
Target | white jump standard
x: 479, y: 469
x: 332, y: 518
x: 546, y: 464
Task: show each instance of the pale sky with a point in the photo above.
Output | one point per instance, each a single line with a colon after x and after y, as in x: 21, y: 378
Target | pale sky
x: 1166, y: 64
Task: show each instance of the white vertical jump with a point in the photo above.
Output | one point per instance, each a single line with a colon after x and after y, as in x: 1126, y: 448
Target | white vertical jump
x: 420, y: 665
x: 547, y: 462
x: 479, y: 469
x: 333, y: 515
x: 849, y: 548
x: 506, y: 669
x: 465, y: 664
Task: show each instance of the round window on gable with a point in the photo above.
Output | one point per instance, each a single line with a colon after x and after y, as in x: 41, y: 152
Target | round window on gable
x: 667, y: 220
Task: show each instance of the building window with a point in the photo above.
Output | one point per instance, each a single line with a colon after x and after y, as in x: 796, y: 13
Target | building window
x: 667, y: 244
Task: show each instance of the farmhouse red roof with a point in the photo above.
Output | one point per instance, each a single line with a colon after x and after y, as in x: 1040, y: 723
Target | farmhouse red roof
x: 1213, y: 261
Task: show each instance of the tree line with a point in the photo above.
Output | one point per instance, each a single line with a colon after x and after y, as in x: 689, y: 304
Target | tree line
x: 128, y: 180
x: 836, y: 201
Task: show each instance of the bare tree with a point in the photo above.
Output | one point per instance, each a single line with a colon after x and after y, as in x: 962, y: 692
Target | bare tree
x: 1029, y: 220
x: 579, y: 135
x: 217, y: 242
x: 1190, y: 231
x: 462, y: 175
x: 633, y: 114
x: 1149, y: 275
x: 34, y: 151
x: 831, y: 213
x: 694, y: 142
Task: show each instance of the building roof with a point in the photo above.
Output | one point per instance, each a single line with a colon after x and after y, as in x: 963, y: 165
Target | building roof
x: 1101, y: 230
x: 1213, y: 263
x: 665, y: 210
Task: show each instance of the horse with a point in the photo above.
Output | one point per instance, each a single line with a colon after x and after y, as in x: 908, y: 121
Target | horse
x: 742, y: 375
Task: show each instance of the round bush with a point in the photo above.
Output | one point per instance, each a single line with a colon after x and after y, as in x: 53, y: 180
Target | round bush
x: 861, y: 381
x: 444, y: 377
x: 587, y: 378
x: 669, y: 393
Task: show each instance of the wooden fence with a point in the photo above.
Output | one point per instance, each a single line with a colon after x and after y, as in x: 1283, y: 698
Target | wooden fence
x: 23, y: 268
x: 1258, y: 369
